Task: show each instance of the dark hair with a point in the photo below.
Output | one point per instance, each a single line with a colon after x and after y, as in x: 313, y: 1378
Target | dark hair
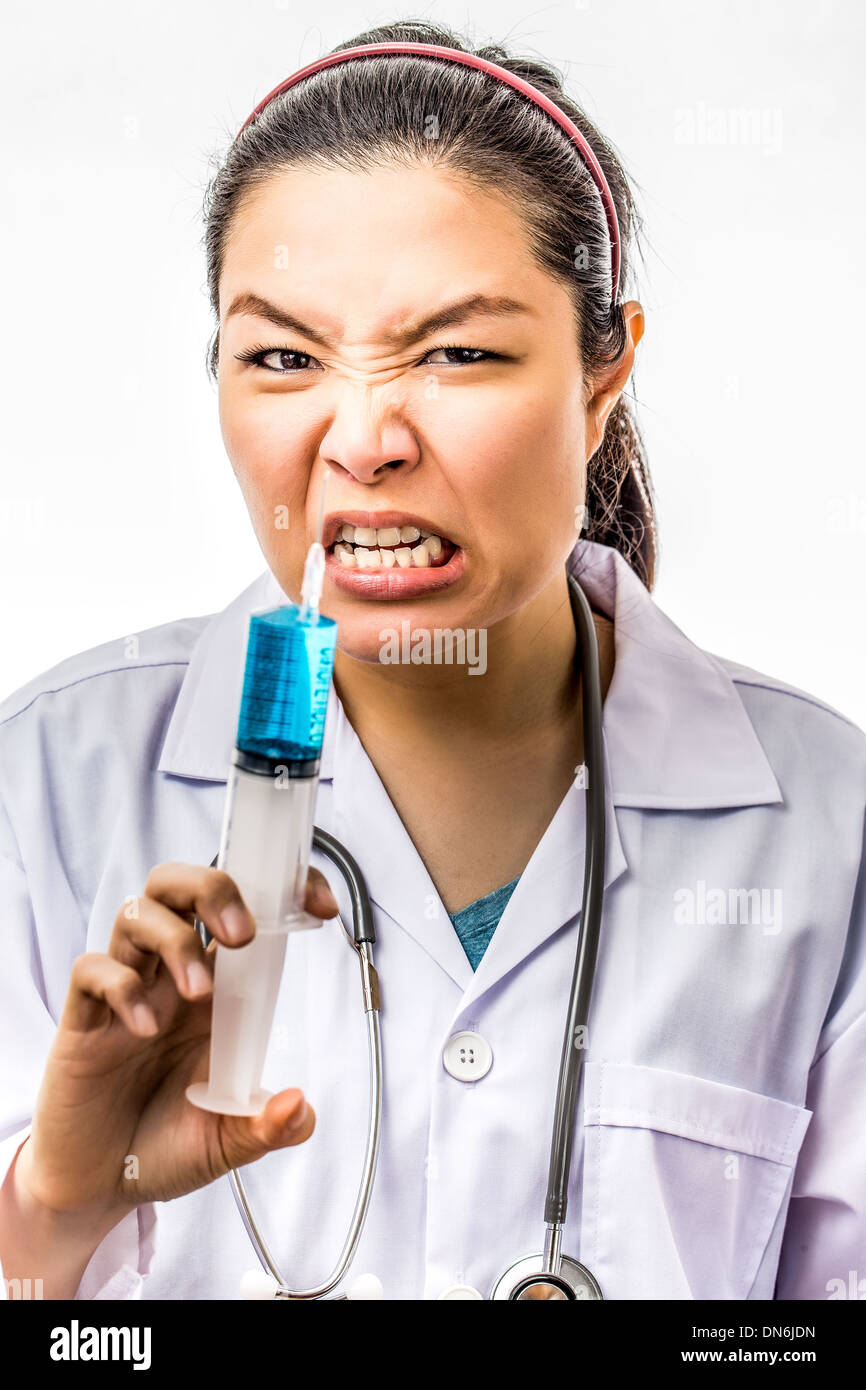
x: 372, y: 110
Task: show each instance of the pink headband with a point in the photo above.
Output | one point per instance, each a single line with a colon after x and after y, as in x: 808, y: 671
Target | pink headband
x: 469, y: 60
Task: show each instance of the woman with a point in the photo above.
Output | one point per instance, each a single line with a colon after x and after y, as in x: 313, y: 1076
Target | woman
x: 412, y: 272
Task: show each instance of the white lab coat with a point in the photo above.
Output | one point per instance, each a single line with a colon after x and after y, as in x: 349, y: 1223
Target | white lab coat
x: 721, y: 1146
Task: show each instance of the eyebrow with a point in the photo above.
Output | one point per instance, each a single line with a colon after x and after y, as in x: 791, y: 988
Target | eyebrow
x: 408, y: 333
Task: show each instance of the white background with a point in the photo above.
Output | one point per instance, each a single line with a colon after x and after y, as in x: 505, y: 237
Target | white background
x: 740, y: 122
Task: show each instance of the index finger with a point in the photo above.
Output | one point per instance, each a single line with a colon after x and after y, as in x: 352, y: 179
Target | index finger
x: 211, y: 894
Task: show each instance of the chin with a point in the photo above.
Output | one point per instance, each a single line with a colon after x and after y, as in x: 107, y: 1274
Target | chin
x: 386, y: 637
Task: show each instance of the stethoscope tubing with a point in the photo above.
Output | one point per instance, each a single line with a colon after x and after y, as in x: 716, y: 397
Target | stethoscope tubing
x: 573, y: 1041
x: 362, y: 1200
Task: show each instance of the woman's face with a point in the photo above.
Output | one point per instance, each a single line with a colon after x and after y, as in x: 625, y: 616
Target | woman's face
x: 484, y: 445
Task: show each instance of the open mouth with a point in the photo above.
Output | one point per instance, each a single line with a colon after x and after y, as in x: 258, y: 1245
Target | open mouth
x: 390, y: 547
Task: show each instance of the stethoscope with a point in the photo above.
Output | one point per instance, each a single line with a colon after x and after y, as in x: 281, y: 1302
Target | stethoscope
x: 549, y: 1274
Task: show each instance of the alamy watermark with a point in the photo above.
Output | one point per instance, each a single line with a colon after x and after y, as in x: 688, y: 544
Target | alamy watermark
x: 852, y: 1287
x: 77, y: 1343
x: 435, y: 646
x: 703, y: 906
x: 757, y: 126
x: 25, y: 1289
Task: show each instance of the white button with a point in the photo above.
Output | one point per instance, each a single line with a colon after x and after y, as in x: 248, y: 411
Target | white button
x: 461, y: 1290
x: 467, y: 1056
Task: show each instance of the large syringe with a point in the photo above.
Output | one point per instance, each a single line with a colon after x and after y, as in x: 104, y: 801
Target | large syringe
x: 267, y: 831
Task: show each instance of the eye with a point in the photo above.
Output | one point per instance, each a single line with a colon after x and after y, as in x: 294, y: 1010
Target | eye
x: 256, y: 356
x: 474, y: 355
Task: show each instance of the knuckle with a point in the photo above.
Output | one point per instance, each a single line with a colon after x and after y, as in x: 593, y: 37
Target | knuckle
x: 130, y: 911
x: 166, y: 875
x: 156, y: 876
x: 127, y: 986
x: 218, y: 888
x: 219, y: 881
x: 85, y: 965
x: 164, y: 927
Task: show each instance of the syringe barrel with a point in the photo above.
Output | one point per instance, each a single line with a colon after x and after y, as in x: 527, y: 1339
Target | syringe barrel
x: 267, y: 834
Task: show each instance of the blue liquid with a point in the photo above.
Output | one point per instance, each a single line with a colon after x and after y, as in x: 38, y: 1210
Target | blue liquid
x: 289, y: 665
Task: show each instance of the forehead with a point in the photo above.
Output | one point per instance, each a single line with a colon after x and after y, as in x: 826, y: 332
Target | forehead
x: 375, y: 238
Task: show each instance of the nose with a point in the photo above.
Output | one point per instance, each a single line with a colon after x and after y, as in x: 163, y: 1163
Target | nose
x: 368, y: 440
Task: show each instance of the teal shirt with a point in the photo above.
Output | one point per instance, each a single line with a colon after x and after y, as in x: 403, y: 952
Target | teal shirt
x: 476, y: 923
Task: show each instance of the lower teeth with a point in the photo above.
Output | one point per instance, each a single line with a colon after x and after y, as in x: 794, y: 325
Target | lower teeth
x: 404, y: 556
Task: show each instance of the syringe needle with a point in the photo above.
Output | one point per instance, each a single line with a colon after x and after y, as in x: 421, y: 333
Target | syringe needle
x: 320, y: 528
x: 314, y: 567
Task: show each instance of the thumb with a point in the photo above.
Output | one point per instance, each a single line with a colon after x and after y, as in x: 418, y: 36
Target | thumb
x: 319, y: 901
x: 286, y: 1120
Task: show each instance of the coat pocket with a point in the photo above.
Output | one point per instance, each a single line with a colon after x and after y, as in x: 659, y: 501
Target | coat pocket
x: 683, y: 1181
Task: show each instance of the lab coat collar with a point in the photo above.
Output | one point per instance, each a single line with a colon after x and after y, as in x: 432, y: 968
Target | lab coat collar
x: 201, y: 733
x: 677, y: 734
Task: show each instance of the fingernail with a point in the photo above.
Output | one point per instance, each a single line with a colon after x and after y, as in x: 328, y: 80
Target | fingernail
x: 298, y: 1120
x: 324, y: 903
x: 145, y: 1018
x: 236, y: 922
x: 198, y: 978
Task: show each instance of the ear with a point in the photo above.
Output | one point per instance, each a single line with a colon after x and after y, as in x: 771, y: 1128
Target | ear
x: 609, y: 387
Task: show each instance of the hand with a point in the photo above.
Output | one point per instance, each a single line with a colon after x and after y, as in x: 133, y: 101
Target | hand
x: 112, y: 1127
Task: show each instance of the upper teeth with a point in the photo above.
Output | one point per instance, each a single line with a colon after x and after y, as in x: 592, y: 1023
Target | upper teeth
x: 385, y: 535
x: 395, y: 539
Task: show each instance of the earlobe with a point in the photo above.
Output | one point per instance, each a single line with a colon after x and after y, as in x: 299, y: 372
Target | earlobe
x: 595, y: 434
x: 607, y: 414
x: 602, y: 414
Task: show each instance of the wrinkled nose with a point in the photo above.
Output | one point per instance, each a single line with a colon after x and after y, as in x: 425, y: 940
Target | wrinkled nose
x: 367, y: 440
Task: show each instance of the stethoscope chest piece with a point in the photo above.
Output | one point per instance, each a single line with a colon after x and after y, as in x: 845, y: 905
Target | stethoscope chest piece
x: 526, y: 1279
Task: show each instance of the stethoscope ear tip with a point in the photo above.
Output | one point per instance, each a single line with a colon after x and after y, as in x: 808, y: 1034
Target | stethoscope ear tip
x: 365, y: 1288
x: 256, y: 1285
